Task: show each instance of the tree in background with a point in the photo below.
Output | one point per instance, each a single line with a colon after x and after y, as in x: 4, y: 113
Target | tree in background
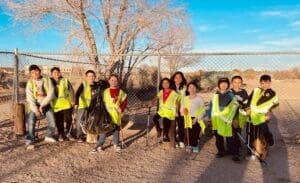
x: 119, y: 27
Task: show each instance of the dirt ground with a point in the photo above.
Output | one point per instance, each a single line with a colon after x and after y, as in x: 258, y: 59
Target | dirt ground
x: 72, y: 162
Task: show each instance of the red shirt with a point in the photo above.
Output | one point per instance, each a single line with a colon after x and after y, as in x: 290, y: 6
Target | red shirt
x: 114, y: 93
x: 166, y: 94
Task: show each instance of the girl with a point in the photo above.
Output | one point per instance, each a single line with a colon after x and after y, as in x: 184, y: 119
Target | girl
x: 180, y: 83
x: 193, y: 110
x: 115, y: 100
x: 168, y: 99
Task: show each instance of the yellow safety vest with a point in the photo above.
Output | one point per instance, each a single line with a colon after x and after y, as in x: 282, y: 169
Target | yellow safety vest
x: 63, y: 100
x: 188, y: 122
x: 85, y: 96
x: 258, y: 112
x: 112, y: 106
x: 167, y: 109
x: 181, y: 93
x: 243, y: 118
x: 222, y: 120
x: 32, y: 85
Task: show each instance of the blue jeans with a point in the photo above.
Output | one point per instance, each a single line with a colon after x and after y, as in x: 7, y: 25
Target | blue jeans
x: 116, y: 137
x: 81, y: 118
x: 31, y: 121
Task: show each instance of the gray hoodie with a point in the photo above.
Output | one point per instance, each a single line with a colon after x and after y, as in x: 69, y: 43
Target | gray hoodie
x: 41, y: 100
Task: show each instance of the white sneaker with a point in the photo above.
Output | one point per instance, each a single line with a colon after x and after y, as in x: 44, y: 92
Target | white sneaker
x: 28, y: 142
x: 181, y: 145
x: 117, y: 148
x: 251, y: 158
x: 60, y: 138
x: 70, y: 137
x: 97, y: 150
x: 50, y: 139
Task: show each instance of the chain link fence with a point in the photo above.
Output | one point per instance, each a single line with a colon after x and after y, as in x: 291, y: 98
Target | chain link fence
x: 140, y: 73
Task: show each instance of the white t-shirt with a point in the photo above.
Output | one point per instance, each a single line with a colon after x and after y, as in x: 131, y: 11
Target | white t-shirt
x: 195, y: 103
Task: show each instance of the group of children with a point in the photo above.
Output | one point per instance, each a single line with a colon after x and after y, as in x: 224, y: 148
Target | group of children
x: 229, y: 111
x: 179, y: 102
x: 53, y: 98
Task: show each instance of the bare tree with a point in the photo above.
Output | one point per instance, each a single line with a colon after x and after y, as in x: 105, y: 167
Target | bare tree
x: 127, y: 27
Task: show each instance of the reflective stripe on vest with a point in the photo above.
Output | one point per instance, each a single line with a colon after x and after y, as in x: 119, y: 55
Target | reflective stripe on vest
x: 112, y: 105
x: 222, y: 120
x: 167, y: 109
x: 85, y: 96
x: 243, y: 118
x: 188, y: 122
x: 63, y: 100
x: 258, y: 112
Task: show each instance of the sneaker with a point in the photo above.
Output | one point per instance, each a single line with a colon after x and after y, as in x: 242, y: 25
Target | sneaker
x: 97, y: 150
x: 166, y: 139
x: 181, y: 145
x: 50, y: 139
x: 28, y: 142
x: 117, y: 148
x: 195, y: 149
x: 70, y: 137
x: 60, y: 138
x: 188, y: 149
x: 251, y: 157
x: 235, y: 158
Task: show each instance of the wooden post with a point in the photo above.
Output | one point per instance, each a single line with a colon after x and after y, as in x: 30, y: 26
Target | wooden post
x: 19, y: 122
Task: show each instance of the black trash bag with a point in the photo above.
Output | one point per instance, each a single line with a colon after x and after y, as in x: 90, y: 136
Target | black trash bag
x: 98, y: 119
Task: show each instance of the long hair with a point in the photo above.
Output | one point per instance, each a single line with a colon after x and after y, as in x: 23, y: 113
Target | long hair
x: 183, y: 82
x: 171, y: 83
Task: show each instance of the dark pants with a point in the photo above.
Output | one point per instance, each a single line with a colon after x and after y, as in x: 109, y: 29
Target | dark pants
x: 166, y: 124
x: 232, y: 146
x: 60, y: 118
x: 257, y: 131
x: 194, y: 134
x: 180, y: 123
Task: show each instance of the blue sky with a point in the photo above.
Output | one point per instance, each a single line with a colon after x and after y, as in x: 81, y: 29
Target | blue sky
x: 218, y: 25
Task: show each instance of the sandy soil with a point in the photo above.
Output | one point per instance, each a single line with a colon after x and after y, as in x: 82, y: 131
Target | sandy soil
x: 72, y: 162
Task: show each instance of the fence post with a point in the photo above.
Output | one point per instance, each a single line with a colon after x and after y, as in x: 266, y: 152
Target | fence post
x: 16, y: 79
x: 158, y: 72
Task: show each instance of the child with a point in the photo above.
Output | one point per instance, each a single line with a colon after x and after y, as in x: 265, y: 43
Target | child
x: 115, y: 100
x: 180, y: 83
x: 242, y: 98
x: 82, y: 101
x: 193, y: 110
x: 261, y: 101
x: 222, y: 113
x: 39, y: 93
x: 168, y: 100
x: 62, y: 103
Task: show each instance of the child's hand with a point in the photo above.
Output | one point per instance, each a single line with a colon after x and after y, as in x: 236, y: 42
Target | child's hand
x: 185, y: 111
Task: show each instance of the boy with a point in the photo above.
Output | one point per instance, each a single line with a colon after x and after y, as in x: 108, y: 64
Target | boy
x: 39, y: 93
x: 261, y: 101
x: 222, y: 113
x: 62, y: 104
x: 83, y: 98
